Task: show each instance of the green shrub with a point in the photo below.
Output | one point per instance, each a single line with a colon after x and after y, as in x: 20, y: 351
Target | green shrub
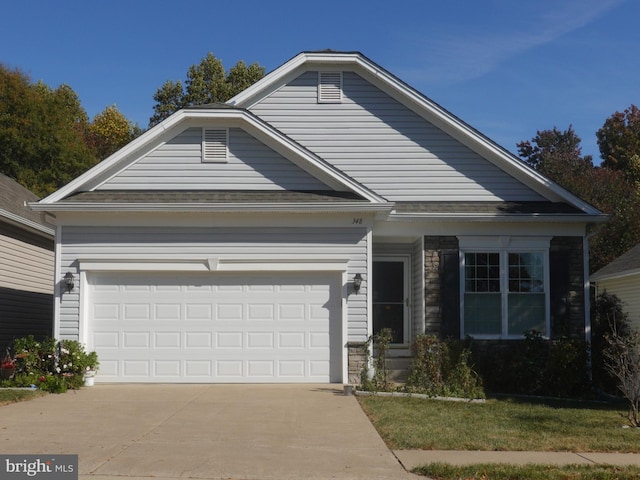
x: 379, y: 381
x: 443, y: 368
x: 50, y: 365
x: 34, y: 356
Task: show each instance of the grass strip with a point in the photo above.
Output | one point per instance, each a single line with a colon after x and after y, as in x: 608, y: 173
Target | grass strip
x: 441, y: 471
x: 12, y: 395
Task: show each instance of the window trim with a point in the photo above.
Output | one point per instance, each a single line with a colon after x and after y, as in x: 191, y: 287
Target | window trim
x: 504, y: 246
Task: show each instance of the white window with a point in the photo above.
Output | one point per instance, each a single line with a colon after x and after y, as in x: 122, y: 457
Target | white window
x: 329, y: 87
x: 504, y: 287
x: 215, y: 144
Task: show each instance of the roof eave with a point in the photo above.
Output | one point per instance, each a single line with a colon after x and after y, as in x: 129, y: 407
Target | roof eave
x: 487, y: 217
x: 26, y: 223
x: 614, y: 276
x: 310, y: 207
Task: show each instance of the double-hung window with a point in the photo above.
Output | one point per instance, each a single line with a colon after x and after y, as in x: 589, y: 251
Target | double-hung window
x: 504, y: 284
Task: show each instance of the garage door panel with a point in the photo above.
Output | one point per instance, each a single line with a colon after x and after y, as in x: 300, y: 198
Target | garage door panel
x: 192, y: 328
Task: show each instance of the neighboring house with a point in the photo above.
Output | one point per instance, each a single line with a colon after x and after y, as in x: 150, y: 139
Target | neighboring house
x: 26, y: 266
x: 226, y: 243
x: 622, y: 278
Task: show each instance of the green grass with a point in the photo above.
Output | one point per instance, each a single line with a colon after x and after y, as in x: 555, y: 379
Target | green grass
x: 8, y: 395
x: 510, y: 424
x: 440, y: 471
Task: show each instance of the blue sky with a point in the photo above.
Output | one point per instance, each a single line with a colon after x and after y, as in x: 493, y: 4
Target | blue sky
x: 506, y: 67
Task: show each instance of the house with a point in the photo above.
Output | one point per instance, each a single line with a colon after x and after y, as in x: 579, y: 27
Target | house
x: 26, y: 266
x: 622, y: 278
x: 264, y: 240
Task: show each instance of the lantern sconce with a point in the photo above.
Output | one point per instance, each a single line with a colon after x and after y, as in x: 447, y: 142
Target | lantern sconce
x: 357, y: 283
x: 69, y: 281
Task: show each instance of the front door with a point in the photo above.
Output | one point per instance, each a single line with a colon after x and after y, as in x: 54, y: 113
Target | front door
x: 390, y: 297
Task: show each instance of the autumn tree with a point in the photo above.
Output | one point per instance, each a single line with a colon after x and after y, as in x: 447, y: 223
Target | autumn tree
x: 557, y: 155
x: 206, y: 82
x: 619, y: 143
x: 109, y: 131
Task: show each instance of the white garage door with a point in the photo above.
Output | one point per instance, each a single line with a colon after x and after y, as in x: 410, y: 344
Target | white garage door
x: 216, y: 328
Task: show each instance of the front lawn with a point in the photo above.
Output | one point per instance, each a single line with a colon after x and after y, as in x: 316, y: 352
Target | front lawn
x: 11, y: 395
x: 506, y: 424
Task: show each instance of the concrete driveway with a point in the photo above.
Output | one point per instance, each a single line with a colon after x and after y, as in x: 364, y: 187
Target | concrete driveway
x: 203, y: 431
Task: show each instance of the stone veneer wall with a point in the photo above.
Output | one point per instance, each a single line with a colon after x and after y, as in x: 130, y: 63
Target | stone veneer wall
x: 357, y: 358
x: 433, y: 250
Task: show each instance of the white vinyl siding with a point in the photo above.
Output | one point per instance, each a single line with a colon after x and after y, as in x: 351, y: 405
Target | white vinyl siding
x: 384, y: 145
x: 627, y: 289
x: 137, y: 243
x: 178, y: 165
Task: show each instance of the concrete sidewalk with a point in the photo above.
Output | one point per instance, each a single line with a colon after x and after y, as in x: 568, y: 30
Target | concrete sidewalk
x: 413, y: 458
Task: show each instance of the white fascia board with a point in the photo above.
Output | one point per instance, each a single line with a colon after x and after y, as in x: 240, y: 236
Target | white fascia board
x: 421, y: 105
x: 212, y: 207
x: 153, y: 138
x: 129, y: 150
x: 614, y: 276
x: 24, y: 222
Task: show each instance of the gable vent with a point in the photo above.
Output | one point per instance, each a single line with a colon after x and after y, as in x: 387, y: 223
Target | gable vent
x: 214, y: 144
x: 329, y: 87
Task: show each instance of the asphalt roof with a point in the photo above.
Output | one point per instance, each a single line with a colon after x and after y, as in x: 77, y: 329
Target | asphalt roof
x: 213, y: 196
x: 495, y: 208
x: 627, y: 262
x: 13, y: 197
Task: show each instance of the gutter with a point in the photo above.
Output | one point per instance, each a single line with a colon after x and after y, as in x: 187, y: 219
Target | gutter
x: 17, y: 219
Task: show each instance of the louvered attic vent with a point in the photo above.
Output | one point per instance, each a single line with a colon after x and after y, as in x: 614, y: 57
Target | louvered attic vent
x: 214, y: 144
x: 329, y: 87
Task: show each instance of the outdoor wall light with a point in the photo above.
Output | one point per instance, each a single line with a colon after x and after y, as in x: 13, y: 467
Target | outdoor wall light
x: 357, y: 282
x: 69, y: 281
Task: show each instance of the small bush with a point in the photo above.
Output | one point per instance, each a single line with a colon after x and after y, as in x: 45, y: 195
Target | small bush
x: 379, y: 381
x: 443, y: 368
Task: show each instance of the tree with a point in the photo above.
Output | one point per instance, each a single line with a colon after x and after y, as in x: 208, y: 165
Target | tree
x: 557, y: 155
x: 622, y: 361
x: 110, y: 131
x: 206, y: 82
x: 619, y: 143
x: 46, y: 139
x: 42, y: 143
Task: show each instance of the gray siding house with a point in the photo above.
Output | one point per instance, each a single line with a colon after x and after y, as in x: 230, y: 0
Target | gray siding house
x: 265, y: 239
x: 26, y: 266
x: 622, y: 278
